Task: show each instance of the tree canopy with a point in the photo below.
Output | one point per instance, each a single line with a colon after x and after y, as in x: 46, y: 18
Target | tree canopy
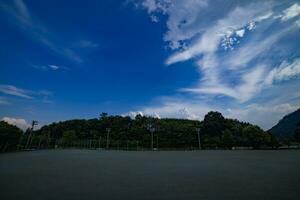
x: 216, y: 132
x: 9, y: 136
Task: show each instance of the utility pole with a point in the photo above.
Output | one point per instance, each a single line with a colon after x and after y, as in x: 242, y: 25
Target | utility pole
x: 29, y: 139
x: 107, y: 137
x: 199, y: 142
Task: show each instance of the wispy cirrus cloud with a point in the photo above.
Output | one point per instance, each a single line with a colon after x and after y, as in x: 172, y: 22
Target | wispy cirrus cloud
x: 50, y: 67
x: 291, y: 12
x: 285, y: 71
x: 33, y: 26
x: 14, y: 91
x: 226, y: 32
x: 233, y: 45
x: 40, y: 95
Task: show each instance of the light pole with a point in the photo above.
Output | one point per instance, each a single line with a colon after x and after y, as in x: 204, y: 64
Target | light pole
x: 151, y: 129
x: 99, y: 142
x: 107, y: 137
x: 157, y: 142
x: 199, y: 142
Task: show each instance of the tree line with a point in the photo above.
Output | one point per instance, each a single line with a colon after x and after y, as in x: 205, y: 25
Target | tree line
x: 119, y: 132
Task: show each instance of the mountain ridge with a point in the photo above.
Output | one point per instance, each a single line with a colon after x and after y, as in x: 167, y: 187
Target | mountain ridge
x: 287, y: 125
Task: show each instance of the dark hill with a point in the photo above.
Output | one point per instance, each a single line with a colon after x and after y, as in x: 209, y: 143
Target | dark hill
x: 286, y: 126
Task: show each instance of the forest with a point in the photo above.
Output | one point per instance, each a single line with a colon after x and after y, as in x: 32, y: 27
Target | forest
x: 140, y: 133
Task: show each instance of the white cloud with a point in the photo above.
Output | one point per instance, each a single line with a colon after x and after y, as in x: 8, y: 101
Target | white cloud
x: 181, y: 14
x: 254, y: 48
x: 21, y: 123
x: 266, y: 16
x: 12, y: 90
x: 197, y: 33
x: 240, y: 32
x: 291, y: 12
x: 285, y: 71
x: 174, y: 108
x: 154, y: 18
x: 54, y: 67
x: 226, y: 32
x: 132, y: 114
x: 154, y: 6
x: 50, y: 67
x: 251, y: 84
x: 210, y: 39
x: 251, y: 26
x: 209, y: 62
x: 265, y: 116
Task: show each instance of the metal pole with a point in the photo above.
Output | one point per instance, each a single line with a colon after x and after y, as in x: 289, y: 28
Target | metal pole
x: 30, y: 142
x: 156, y: 141
x: 199, y: 142
x: 40, y: 142
x: 99, y: 142
x: 152, y: 140
x: 151, y: 130
x: 107, y: 138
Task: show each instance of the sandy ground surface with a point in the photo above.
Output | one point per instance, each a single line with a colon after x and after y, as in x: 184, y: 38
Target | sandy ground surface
x: 91, y: 174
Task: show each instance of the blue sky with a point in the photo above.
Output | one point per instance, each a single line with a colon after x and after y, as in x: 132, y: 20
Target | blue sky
x: 165, y: 58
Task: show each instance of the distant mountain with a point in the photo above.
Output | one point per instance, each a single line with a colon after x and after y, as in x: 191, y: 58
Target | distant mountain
x: 287, y: 125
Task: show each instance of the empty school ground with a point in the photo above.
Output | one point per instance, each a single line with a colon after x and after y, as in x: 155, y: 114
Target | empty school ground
x: 91, y: 174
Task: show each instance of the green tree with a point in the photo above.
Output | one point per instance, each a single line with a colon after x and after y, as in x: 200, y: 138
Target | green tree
x: 213, y: 124
x: 216, y: 131
x: 227, y: 139
x: 9, y: 136
x: 274, y: 143
x: 103, y: 115
x: 69, y: 136
x: 255, y: 136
